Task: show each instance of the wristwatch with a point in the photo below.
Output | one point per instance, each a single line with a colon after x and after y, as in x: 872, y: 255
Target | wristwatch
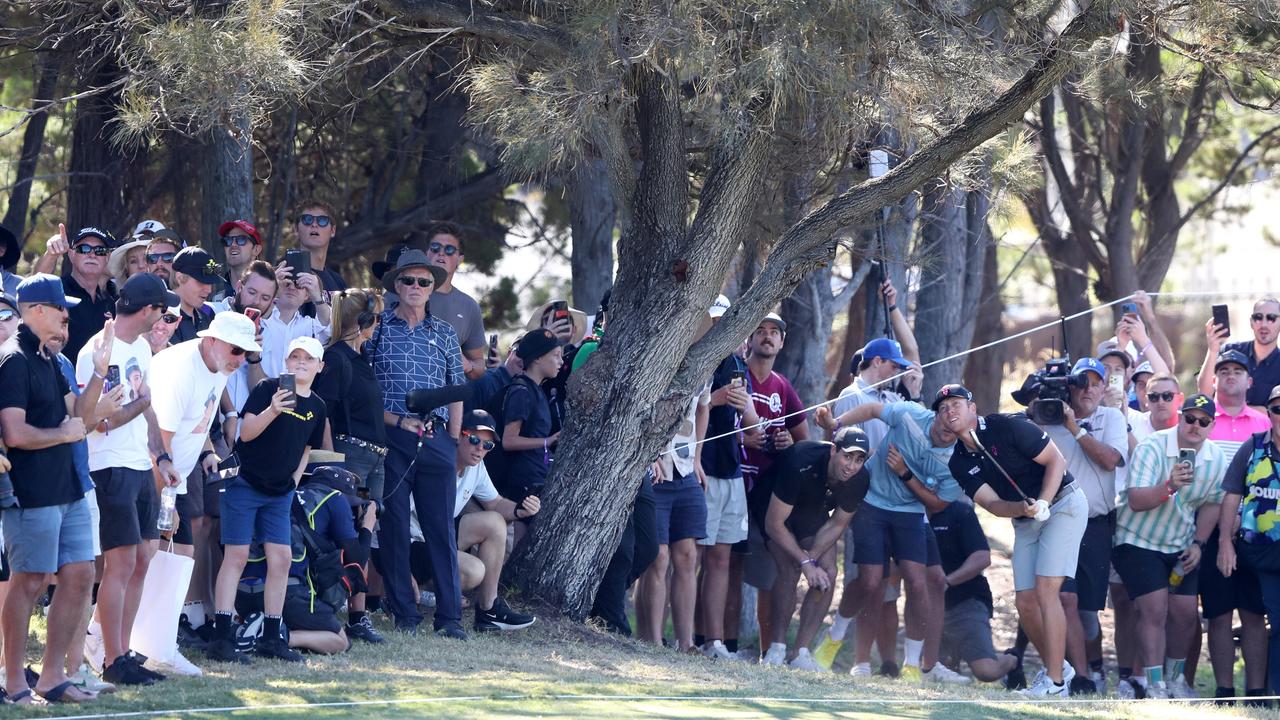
x: 906, y: 476
x: 164, y: 457
x: 1081, y: 433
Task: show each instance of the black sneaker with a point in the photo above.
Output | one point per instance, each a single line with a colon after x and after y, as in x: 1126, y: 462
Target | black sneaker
x: 452, y: 630
x: 188, y: 637
x: 889, y: 668
x: 1081, y: 685
x: 225, y: 650
x: 276, y: 648
x: 501, y: 617
x: 138, y: 659
x: 1016, y: 679
x: 1139, y: 692
x: 363, y: 630
x: 122, y: 671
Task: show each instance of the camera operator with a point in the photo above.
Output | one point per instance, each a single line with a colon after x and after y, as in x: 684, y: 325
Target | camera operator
x: 1094, y: 440
x: 1029, y: 484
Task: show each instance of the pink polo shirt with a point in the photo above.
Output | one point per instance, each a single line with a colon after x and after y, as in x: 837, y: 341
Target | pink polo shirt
x: 1229, y: 431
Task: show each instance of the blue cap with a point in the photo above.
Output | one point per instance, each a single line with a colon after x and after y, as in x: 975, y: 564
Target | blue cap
x: 1088, y: 364
x: 45, y: 289
x: 887, y: 349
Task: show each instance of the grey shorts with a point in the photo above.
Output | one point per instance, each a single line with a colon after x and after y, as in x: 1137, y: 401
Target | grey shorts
x: 726, y: 511
x: 42, y: 540
x: 1050, y: 548
x: 966, y: 632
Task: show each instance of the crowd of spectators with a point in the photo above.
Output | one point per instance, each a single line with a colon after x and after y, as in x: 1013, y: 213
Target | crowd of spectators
x: 323, y: 454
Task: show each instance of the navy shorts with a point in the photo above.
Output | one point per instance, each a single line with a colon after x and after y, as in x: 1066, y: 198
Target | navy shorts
x: 1223, y: 595
x: 932, y: 556
x: 249, y: 515
x: 129, y: 504
x: 879, y: 535
x: 681, y: 510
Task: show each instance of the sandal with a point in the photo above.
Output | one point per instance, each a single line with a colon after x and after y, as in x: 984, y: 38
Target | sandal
x: 61, y: 694
x: 25, y: 697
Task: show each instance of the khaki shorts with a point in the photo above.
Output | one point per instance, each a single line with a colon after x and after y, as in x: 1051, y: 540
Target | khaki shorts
x: 726, y: 511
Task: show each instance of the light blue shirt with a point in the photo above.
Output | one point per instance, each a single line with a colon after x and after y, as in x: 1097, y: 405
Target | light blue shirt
x: 908, y: 431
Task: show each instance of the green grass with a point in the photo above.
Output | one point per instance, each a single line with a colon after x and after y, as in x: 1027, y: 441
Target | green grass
x: 556, y: 659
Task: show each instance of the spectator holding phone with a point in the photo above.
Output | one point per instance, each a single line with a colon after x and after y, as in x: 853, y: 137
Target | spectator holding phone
x: 314, y: 223
x: 287, y: 322
x: 281, y: 425
x: 1264, y: 361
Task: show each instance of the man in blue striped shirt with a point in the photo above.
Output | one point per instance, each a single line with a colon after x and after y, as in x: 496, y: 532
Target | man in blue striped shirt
x: 413, y: 349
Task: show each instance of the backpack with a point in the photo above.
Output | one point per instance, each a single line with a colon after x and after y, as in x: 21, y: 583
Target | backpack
x: 326, y: 571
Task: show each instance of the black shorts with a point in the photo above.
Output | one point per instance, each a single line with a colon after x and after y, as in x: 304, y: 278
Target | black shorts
x: 879, y: 535
x: 1146, y: 571
x: 191, y: 504
x: 1222, y: 595
x: 128, y: 505
x: 302, y: 612
x: 1093, y: 566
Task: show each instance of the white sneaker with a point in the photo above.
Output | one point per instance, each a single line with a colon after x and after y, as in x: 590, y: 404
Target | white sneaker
x: 1124, y: 690
x: 1159, y: 691
x: 717, y: 651
x: 746, y: 656
x: 179, y: 666
x: 94, y: 651
x: 1068, y: 673
x: 860, y: 670
x: 940, y: 673
x: 776, y: 655
x: 1046, y: 688
x: 804, y: 661
x: 87, y: 681
x: 1099, y: 681
x: 427, y: 599
x: 1181, y: 690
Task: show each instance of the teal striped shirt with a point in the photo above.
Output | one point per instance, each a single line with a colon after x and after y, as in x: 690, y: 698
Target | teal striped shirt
x: 1170, y: 526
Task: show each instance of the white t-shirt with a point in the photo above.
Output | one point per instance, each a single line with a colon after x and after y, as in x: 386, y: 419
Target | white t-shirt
x: 124, y: 446
x: 1140, y: 425
x: 184, y: 396
x: 680, y: 451
x: 474, y: 482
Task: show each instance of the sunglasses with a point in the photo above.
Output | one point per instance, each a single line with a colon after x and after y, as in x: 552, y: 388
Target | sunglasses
x: 309, y: 220
x: 1192, y: 420
x: 7, y: 315
x: 170, y: 319
x: 154, y: 258
x: 1274, y: 409
x: 477, y: 440
x: 87, y: 249
x: 1161, y: 397
x: 449, y: 250
x: 237, y: 351
x: 411, y: 281
x: 239, y: 240
x: 1269, y: 317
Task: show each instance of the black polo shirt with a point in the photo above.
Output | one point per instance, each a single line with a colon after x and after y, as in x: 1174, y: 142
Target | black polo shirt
x: 32, y: 381
x: 798, y: 477
x: 960, y: 535
x: 1265, y: 372
x: 1014, y: 441
x: 190, y: 325
x: 86, y: 319
x: 351, y: 394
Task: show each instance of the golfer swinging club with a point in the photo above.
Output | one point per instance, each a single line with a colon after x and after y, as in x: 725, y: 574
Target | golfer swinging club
x: 1011, y: 467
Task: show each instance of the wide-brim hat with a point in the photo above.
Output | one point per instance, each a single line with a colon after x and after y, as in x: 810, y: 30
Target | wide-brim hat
x: 578, y: 318
x: 115, y: 264
x: 412, y: 258
x: 12, y: 250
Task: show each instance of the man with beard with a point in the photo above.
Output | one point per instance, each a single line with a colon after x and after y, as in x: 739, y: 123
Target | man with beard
x: 161, y: 251
x: 1264, y: 361
x: 242, y: 244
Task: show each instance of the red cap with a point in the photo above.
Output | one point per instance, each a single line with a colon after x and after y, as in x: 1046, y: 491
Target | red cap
x: 244, y: 225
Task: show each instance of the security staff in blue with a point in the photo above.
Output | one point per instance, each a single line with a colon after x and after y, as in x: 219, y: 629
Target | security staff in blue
x: 412, y: 349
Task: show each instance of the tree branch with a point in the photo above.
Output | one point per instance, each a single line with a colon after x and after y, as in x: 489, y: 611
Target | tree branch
x: 525, y: 33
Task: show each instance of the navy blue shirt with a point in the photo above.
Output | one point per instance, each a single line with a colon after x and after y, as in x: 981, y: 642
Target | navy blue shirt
x: 960, y: 535
x: 487, y: 388
x: 426, y: 355
x: 523, y: 403
x: 1265, y: 373
x: 722, y: 458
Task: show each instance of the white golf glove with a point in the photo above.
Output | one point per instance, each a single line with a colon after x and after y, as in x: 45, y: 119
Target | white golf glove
x: 1042, y: 510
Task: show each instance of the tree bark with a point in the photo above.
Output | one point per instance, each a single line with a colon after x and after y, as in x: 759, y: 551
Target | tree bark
x: 226, y: 188
x: 15, y: 216
x: 984, y: 370
x: 592, y: 219
x: 98, y: 167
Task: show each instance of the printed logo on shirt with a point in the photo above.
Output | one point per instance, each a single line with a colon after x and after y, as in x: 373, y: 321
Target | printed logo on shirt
x: 975, y: 470
x: 775, y: 403
x: 307, y: 418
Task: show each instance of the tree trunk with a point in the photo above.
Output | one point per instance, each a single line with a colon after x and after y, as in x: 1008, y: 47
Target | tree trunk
x: 227, y: 184
x: 592, y: 219
x: 984, y: 370
x: 15, y: 216
x: 98, y: 167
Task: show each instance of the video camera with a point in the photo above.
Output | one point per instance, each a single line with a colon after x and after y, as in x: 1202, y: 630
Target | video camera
x: 1047, y: 392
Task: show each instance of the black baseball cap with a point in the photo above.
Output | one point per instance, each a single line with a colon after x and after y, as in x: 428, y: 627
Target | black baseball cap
x: 337, y: 478
x: 851, y: 440
x: 951, y: 391
x: 144, y: 289
x: 1227, y: 357
x: 479, y: 420
x: 103, y: 235
x: 198, y: 264
x: 1200, y: 402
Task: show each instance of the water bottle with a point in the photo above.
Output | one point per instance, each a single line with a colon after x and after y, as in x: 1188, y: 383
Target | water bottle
x: 168, y: 509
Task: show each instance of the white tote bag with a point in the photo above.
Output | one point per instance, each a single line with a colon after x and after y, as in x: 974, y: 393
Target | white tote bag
x: 155, y: 631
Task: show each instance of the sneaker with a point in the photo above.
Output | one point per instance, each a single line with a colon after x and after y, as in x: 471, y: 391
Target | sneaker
x: 501, y: 617
x: 826, y: 652
x: 1081, y: 685
x: 1181, y: 690
x: 776, y: 655
x: 1124, y: 689
x: 1158, y: 691
x: 140, y: 661
x: 911, y: 674
x: 94, y: 651
x: 276, y: 647
x: 889, y: 669
x: 1016, y: 679
x: 85, y: 680
x: 804, y: 661
x: 363, y: 630
x: 427, y: 599
x: 178, y: 666
x: 123, y: 671
x: 453, y: 631
x: 225, y: 650
x: 1043, y: 687
x: 940, y: 673
x: 860, y: 670
x: 188, y: 638
x: 717, y: 651
x: 1068, y: 673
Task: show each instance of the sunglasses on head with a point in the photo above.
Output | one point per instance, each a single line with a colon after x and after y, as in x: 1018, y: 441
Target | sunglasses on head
x: 1193, y: 420
x: 1259, y: 317
x: 240, y: 240
x: 477, y: 440
x: 7, y: 315
x: 87, y: 249
x: 449, y: 250
x: 154, y: 258
x: 1161, y: 396
x: 308, y: 219
x: 411, y: 281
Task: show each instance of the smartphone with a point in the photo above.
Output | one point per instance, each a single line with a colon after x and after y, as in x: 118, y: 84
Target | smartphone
x: 1220, y: 317
x: 1187, y: 457
x: 1129, y: 308
x: 493, y: 343
x: 299, y: 260
x: 255, y: 315
x: 289, y: 382
x: 559, y: 310
x: 737, y: 378
x: 113, y: 378
x: 1115, y: 381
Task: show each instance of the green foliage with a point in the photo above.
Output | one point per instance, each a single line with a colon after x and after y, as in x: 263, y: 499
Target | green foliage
x: 501, y: 305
